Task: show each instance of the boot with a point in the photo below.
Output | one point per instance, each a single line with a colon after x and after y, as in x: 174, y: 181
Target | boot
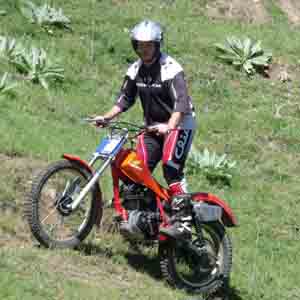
x: 180, y: 223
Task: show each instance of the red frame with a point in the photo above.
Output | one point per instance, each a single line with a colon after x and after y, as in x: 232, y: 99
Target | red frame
x: 127, y: 163
x: 145, y: 177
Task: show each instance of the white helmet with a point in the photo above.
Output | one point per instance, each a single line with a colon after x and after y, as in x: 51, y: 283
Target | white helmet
x: 146, y: 31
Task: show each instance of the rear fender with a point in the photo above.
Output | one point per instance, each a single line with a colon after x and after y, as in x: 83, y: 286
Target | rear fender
x: 89, y: 169
x: 228, y: 217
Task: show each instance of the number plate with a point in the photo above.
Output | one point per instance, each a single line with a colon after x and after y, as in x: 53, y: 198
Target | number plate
x: 108, y: 145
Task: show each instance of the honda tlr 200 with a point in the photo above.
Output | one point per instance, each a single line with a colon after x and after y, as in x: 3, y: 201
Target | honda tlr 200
x: 65, y: 202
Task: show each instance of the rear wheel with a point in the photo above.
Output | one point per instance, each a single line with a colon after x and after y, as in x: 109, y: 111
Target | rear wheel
x: 47, y: 210
x: 205, y: 272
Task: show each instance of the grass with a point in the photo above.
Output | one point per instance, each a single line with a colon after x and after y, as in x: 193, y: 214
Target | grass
x: 100, y: 271
x: 235, y: 113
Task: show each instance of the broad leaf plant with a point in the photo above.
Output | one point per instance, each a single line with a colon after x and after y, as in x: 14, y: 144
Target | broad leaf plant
x: 245, y: 54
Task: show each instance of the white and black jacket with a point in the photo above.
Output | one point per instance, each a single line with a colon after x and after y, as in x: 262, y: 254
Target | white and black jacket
x: 162, y: 90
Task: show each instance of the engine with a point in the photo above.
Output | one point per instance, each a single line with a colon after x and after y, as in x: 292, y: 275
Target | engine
x: 141, y: 205
x: 136, y: 196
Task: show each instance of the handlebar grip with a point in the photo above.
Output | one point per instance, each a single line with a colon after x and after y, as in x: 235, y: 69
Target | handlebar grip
x: 96, y: 120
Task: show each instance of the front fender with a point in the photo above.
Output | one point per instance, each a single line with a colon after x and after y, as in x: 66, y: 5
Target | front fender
x: 80, y: 161
x: 228, y: 217
x: 89, y: 169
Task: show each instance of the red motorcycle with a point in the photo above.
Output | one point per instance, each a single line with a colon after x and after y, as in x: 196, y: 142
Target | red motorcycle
x: 66, y: 201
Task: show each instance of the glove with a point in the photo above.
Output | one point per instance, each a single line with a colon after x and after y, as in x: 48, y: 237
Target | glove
x: 98, y: 121
x: 161, y: 128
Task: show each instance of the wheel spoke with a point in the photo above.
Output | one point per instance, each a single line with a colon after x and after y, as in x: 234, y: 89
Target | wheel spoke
x: 197, y: 270
x: 56, y: 189
x: 50, y: 214
x: 50, y: 218
x: 203, y: 273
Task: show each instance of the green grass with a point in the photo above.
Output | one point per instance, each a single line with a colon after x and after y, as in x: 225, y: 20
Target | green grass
x: 235, y: 113
x: 105, y: 270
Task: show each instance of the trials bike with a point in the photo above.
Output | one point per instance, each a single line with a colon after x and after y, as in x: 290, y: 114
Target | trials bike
x: 65, y: 202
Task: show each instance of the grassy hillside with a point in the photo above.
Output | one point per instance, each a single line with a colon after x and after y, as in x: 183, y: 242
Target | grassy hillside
x: 236, y: 115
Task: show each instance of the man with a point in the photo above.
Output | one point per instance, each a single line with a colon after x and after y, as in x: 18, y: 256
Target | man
x: 168, y: 112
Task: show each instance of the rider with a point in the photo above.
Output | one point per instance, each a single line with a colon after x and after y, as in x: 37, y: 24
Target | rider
x: 159, y: 81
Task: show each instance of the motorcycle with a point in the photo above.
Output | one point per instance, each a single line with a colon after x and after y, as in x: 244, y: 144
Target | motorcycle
x: 65, y: 202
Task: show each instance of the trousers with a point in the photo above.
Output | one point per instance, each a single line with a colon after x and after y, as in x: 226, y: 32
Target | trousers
x: 172, y: 149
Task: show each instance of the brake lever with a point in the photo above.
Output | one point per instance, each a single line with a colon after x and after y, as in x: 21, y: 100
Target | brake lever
x: 98, y: 122
x: 91, y: 120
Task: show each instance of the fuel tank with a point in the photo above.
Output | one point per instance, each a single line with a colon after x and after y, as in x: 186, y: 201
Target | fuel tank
x: 134, y: 168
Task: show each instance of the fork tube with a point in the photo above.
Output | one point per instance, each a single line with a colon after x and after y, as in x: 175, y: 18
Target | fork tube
x: 93, y: 160
x: 90, y: 184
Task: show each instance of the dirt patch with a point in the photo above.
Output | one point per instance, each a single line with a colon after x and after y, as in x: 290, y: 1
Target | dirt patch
x: 15, y: 178
x: 16, y: 172
x: 282, y: 72
x: 86, y: 269
x: 250, y: 11
x: 292, y: 9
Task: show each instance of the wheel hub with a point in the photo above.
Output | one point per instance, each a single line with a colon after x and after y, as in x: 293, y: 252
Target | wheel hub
x: 63, y: 205
x: 208, y: 259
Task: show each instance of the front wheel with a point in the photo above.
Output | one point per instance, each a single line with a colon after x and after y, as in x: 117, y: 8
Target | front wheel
x: 205, y: 272
x: 47, y: 210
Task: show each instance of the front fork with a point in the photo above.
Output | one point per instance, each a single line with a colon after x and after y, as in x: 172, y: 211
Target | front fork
x: 75, y: 203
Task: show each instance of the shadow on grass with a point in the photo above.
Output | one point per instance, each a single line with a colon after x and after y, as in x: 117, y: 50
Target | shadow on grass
x: 90, y: 249
x: 234, y: 294
x: 223, y: 294
x: 149, y: 264
x: 227, y: 293
x: 141, y: 262
x: 144, y: 263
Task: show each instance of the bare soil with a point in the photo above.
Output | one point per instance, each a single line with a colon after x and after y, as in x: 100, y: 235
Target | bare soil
x: 282, y: 72
x: 16, y: 173
x: 19, y: 170
x: 292, y: 10
x: 251, y: 11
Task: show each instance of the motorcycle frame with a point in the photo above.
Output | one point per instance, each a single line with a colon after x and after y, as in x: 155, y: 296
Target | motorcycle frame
x: 115, y: 160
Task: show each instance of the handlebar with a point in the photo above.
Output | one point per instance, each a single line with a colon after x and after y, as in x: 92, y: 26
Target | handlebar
x: 121, y: 125
x: 117, y: 125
